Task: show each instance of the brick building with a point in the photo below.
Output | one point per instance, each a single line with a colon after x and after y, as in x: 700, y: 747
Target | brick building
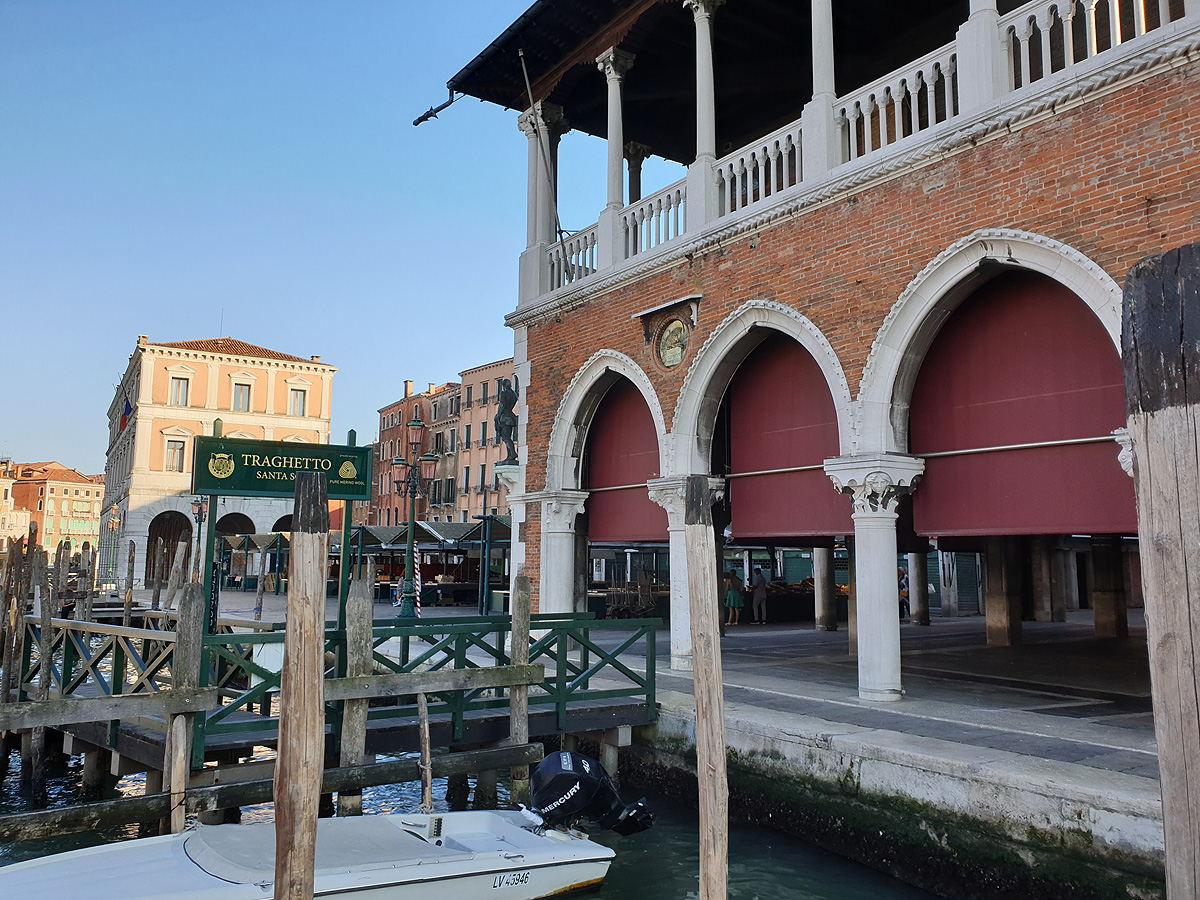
x: 883, y: 304
x: 64, y: 503
x: 172, y: 392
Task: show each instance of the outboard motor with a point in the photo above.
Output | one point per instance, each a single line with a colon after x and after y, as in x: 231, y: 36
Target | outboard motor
x: 567, y: 787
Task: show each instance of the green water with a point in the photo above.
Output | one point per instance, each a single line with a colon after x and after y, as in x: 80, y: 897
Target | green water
x: 662, y: 863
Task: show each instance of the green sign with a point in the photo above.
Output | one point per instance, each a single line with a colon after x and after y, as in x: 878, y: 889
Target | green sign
x: 238, y: 467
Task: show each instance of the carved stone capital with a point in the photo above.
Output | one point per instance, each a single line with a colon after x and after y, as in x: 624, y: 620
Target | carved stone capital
x: 876, y: 481
x: 703, y: 8
x: 559, y: 508
x: 544, y: 115
x: 671, y: 494
x: 614, y: 63
x: 1125, y: 456
x: 510, y: 477
x: 635, y: 152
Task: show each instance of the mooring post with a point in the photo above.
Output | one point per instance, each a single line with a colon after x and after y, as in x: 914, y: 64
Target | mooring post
x: 41, y: 594
x: 127, y: 616
x: 178, y: 572
x: 302, y: 694
x: 160, y: 563
x: 710, y: 704
x: 359, y: 663
x: 13, y: 614
x: 1160, y: 355
x: 518, y: 695
x: 185, y: 675
x: 426, y: 755
x: 262, y: 584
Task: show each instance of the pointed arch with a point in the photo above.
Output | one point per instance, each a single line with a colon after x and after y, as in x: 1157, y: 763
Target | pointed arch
x: 928, y: 301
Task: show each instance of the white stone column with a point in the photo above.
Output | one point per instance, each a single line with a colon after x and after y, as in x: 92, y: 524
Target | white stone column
x: 876, y: 482
x: 820, y: 132
x: 825, y: 600
x: 614, y: 64
x: 671, y: 494
x: 543, y: 125
x: 635, y: 155
x: 560, y: 509
x: 701, y: 180
x: 982, y: 66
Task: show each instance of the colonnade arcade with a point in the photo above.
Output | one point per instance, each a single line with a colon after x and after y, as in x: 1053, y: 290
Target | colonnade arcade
x: 766, y: 418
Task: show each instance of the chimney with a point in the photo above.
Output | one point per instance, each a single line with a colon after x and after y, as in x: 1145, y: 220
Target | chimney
x: 316, y: 359
x: 408, y: 388
x: 431, y: 387
x: 142, y: 339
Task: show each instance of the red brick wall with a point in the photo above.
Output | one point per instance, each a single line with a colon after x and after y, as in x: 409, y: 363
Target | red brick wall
x: 1115, y: 178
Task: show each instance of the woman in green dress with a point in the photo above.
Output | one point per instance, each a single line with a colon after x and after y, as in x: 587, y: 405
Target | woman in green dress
x: 733, y: 598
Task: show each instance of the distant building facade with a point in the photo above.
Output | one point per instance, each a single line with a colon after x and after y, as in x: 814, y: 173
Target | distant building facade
x: 14, y: 522
x: 461, y: 432
x: 64, y: 503
x: 172, y: 392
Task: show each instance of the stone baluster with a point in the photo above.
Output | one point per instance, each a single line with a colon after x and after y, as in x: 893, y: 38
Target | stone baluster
x: 876, y: 482
x: 1068, y: 22
x: 1139, y: 17
x: 701, y: 178
x: 1044, y: 26
x: 1090, y: 12
x: 1114, y: 23
x: 1164, y: 12
x: 1024, y: 56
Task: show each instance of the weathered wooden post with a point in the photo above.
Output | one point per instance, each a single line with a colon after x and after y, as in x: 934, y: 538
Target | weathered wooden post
x: 178, y: 572
x: 60, y: 576
x: 426, y: 760
x: 1160, y: 353
x: 41, y: 596
x: 127, y: 616
x: 710, y: 704
x: 185, y: 676
x: 160, y: 563
x: 359, y: 609
x: 518, y: 694
x: 262, y: 585
x: 301, y: 695
x: 13, y: 616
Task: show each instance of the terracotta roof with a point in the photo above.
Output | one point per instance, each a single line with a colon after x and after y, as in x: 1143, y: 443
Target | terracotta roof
x: 52, y: 471
x: 232, y: 347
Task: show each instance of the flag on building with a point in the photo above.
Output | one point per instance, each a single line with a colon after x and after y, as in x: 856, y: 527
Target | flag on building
x: 125, y: 414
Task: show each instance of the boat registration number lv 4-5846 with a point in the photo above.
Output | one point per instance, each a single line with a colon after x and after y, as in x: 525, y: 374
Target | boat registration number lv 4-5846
x: 510, y: 879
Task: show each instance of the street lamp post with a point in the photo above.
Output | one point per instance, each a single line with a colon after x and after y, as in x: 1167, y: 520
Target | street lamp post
x: 199, y: 511
x: 410, y: 478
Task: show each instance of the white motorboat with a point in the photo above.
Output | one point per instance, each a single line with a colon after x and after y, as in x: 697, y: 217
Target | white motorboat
x: 453, y: 856
x: 507, y: 855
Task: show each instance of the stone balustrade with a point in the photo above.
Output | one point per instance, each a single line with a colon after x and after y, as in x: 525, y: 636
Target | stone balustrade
x: 756, y: 173
x: 573, y: 258
x: 652, y: 222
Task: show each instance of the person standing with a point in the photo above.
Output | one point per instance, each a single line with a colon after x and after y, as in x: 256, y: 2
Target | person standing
x: 760, y: 598
x: 733, y: 599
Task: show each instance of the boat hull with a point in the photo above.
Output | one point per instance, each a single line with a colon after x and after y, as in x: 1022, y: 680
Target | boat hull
x: 455, y: 856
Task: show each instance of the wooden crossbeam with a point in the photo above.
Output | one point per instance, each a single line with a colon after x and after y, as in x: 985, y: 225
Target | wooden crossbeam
x: 78, y: 710
x: 432, y: 682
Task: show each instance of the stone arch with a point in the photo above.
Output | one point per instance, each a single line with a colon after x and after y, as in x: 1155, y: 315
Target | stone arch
x: 568, y: 437
x: 932, y: 296
x: 235, y: 523
x: 172, y: 526
x: 718, y: 359
x: 283, y: 523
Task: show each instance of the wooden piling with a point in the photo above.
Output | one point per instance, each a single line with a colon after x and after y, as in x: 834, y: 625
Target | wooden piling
x: 160, y: 563
x: 518, y: 695
x: 261, y: 585
x: 359, y: 663
x: 61, y: 562
x: 185, y: 675
x: 41, y: 594
x: 1160, y: 355
x: 127, y: 616
x: 711, y: 773
x: 426, y: 755
x: 178, y: 572
x: 301, y: 696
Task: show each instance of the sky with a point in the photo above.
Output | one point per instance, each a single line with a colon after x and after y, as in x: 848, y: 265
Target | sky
x: 191, y: 169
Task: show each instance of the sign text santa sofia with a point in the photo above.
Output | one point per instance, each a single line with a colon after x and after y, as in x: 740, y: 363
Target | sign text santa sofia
x: 238, y: 467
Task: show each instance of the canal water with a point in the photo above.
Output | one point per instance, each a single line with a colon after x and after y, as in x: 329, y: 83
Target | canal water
x: 662, y: 863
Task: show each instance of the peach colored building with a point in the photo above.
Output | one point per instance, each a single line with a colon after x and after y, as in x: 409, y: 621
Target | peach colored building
x: 65, y: 504
x: 172, y: 392
x: 480, y: 491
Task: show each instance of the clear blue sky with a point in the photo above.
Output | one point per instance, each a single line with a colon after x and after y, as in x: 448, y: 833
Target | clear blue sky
x: 189, y: 169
